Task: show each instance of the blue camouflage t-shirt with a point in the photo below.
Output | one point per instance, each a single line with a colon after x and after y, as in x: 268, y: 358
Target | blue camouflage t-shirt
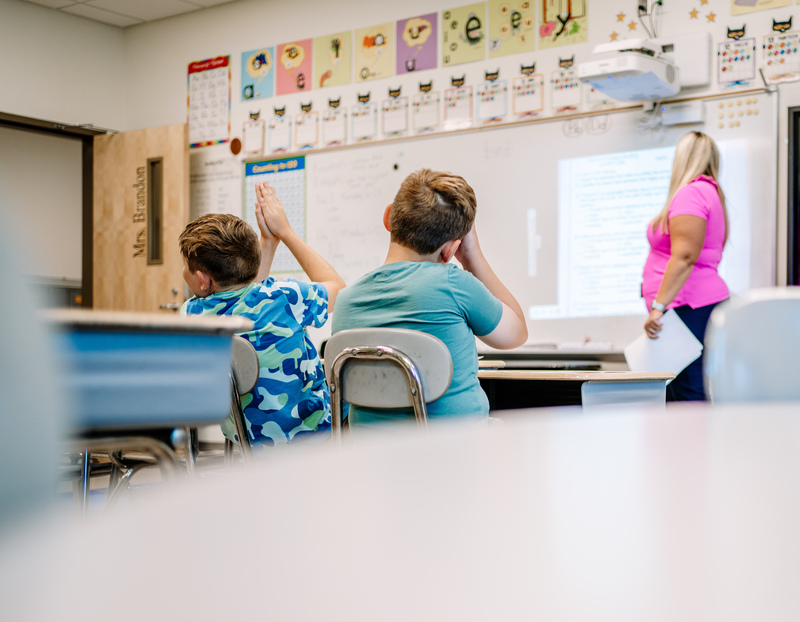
x: 291, y: 397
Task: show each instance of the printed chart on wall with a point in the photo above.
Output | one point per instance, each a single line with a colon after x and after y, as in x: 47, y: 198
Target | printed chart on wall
x: 215, y: 183
x: 209, y: 101
x: 288, y: 177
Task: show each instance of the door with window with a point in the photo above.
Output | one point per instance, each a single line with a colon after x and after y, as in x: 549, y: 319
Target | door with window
x: 140, y: 207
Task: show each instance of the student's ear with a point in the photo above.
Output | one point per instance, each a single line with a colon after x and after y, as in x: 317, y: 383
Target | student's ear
x: 205, y: 281
x: 448, y: 251
x: 386, y: 214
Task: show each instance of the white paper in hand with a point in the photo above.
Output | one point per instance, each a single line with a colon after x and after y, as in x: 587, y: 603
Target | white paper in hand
x: 674, y: 349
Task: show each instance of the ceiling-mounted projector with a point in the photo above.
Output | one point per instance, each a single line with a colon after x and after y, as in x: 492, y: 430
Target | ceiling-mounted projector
x: 631, y: 69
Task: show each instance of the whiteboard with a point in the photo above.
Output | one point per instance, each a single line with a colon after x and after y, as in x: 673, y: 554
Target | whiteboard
x: 514, y: 171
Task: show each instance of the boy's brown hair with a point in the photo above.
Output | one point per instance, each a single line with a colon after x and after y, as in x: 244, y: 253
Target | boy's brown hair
x: 431, y: 208
x: 222, y: 245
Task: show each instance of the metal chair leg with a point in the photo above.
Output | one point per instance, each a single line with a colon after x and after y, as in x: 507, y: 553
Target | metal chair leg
x: 181, y: 438
x: 113, y: 477
x: 85, y: 485
x: 162, y: 453
x: 194, y: 446
x: 228, y: 452
x: 239, y: 422
x: 124, y: 482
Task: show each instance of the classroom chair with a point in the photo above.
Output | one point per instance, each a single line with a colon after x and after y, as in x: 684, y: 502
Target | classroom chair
x: 385, y: 368
x: 245, y: 369
x: 752, y: 348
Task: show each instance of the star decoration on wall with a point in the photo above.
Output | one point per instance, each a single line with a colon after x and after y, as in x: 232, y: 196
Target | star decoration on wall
x: 703, y: 1
x: 632, y: 25
x: 614, y: 36
x: 620, y: 16
x: 693, y: 14
x: 711, y: 17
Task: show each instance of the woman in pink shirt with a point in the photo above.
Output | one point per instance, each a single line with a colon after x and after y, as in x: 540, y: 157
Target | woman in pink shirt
x: 686, y: 242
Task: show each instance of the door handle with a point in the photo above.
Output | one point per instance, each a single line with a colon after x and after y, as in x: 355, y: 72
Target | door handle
x: 170, y: 305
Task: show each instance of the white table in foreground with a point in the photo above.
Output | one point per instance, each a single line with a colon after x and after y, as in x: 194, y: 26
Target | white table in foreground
x: 687, y: 513
x: 520, y: 388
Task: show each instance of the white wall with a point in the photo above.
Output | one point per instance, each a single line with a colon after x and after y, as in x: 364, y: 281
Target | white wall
x: 61, y: 68
x: 40, y: 190
x: 73, y: 70
x: 157, y: 54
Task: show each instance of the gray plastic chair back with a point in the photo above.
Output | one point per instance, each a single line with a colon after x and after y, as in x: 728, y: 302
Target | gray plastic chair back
x: 752, y: 348
x: 386, y: 368
x: 244, y: 365
x: 245, y: 369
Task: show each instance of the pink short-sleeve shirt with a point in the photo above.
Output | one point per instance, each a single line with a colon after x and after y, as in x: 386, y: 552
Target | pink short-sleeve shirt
x: 705, y: 286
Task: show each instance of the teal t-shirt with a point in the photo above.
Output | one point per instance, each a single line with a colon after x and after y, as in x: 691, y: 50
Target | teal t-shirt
x: 442, y: 300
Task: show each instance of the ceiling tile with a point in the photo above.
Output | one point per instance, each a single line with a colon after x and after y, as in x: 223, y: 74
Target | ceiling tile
x: 51, y: 4
x: 207, y: 3
x: 99, y: 15
x: 145, y: 9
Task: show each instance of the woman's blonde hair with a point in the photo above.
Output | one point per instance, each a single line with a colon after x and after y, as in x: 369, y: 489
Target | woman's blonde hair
x: 695, y: 155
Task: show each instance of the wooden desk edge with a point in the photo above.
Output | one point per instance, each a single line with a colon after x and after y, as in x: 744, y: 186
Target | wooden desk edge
x: 490, y: 364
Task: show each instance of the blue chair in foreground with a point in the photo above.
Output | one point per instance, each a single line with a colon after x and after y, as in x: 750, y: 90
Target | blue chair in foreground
x: 385, y: 368
x: 752, y: 348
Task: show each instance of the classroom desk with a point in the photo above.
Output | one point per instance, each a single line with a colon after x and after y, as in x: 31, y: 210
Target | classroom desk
x: 145, y: 370
x: 132, y: 378
x: 519, y: 388
x: 685, y: 513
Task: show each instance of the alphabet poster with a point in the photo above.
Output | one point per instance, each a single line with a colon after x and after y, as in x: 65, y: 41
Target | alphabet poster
x: 463, y: 34
x: 511, y: 27
x: 209, y: 84
x: 293, y: 74
x: 332, y: 56
x: 563, y: 22
x: 374, y: 52
x: 416, y: 43
x: 258, y: 73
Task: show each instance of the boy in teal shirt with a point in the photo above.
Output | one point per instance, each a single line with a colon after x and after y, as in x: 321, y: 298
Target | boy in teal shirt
x: 431, y: 221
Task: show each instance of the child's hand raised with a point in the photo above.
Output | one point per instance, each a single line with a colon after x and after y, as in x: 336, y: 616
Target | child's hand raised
x: 271, y: 218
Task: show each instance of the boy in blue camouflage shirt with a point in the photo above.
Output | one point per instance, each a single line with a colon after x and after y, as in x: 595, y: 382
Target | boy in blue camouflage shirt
x: 227, y: 269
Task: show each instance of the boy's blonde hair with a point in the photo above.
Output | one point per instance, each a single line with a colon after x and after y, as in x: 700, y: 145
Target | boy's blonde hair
x: 221, y: 245
x: 695, y: 155
x: 431, y: 208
